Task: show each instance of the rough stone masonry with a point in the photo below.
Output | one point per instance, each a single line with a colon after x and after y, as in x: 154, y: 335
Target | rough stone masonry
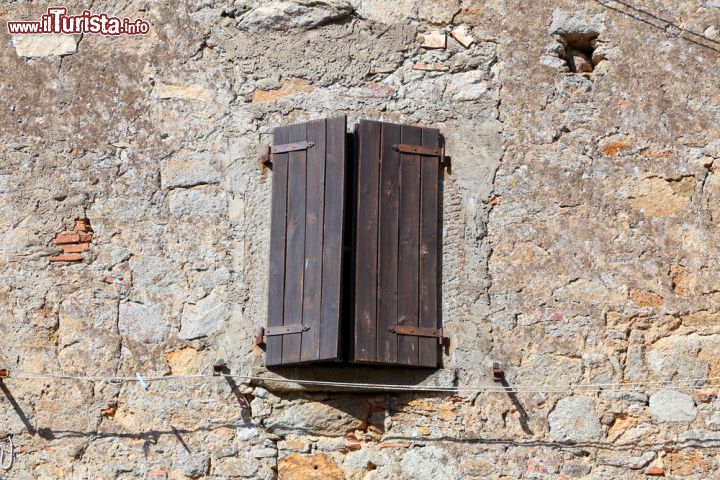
x: 580, y: 238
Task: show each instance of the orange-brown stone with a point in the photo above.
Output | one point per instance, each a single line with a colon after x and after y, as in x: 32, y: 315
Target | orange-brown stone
x: 309, y: 467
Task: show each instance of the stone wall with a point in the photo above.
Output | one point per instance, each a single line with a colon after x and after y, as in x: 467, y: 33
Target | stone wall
x: 579, y: 238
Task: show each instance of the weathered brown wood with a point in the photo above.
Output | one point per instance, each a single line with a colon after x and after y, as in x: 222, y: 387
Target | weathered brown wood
x: 295, y: 256
x: 408, y: 253
x: 276, y: 281
x: 334, y: 224
x: 429, y: 249
x: 397, y: 245
x: 306, y: 244
x: 366, y: 256
x: 396, y: 253
x: 314, y: 216
x: 387, y: 342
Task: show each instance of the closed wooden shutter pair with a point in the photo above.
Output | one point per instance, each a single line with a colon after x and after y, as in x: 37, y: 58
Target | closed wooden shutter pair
x: 383, y: 296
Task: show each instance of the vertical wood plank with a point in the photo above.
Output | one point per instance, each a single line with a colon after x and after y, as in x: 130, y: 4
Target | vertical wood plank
x: 314, y: 221
x: 365, y: 333
x: 347, y: 343
x: 295, y: 256
x: 278, y: 230
x: 429, y: 247
x: 387, y: 342
x: 334, y: 221
x: 408, y: 253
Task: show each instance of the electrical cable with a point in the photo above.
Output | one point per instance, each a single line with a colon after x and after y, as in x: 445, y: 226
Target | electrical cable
x: 595, y: 387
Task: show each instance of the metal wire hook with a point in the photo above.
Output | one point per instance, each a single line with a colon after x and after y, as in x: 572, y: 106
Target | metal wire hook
x: 11, y: 455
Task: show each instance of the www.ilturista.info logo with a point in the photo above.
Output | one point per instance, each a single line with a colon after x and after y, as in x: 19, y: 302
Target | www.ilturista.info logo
x: 56, y: 20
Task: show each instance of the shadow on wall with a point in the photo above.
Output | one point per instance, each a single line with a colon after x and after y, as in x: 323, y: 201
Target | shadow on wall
x: 28, y: 426
x: 148, y: 435
x: 518, y: 406
x: 331, y: 376
x: 331, y: 416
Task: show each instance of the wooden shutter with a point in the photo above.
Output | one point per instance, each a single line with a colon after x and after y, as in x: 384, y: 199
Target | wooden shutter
x: 306, y: 242
x: 397, y: 245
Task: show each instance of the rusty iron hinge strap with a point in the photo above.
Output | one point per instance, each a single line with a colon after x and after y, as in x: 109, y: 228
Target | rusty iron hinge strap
x: 260, y: 337
x: 265, y: 157
x: 285, y: 330
x: 291, y: 147
x: 419, y: 332
x: 418, y: 150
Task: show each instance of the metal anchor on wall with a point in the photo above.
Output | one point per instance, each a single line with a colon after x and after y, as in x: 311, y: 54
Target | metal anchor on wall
x: 11, y: 454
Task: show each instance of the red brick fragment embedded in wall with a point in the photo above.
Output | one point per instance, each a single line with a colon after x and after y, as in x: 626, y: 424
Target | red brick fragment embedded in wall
x: 73, y: 242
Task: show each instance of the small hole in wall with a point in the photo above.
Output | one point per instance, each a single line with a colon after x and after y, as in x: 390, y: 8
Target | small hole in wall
x: 579, y: 52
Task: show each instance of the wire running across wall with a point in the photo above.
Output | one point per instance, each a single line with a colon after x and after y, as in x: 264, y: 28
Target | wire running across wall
x: 639, y: 386
x: 655, y: 21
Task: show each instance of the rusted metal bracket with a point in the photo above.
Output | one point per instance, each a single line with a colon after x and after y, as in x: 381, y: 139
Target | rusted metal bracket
x: 285, y: 330
x: 418, y: 150
x: 291, y: 147
x: 419, y: 332
x: 260, y: 337
x: 262, y: 333
x: 498, y: 373
x: 265, y: 159
x: 4, y: 373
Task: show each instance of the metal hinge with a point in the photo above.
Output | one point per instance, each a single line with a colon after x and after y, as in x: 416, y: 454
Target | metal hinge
x: 278, y: 330
x: 291, y: 147
x: 419, y: 332
x: 285, y: 329
x: 284, y: 148
x: 418, y: 150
